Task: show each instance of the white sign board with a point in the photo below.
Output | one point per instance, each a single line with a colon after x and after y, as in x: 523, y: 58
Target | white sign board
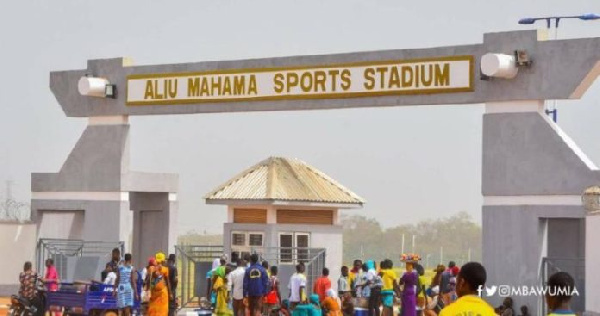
x: 362, y: 79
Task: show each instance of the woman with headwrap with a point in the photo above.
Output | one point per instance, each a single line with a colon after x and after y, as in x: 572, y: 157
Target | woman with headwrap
x: 374, y: 284
x: 160, y: 290
x: 409, y: 294
x: 331, y: 304
x: 220, y: 287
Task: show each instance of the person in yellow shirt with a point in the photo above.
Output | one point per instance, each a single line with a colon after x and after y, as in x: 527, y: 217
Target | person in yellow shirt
x: 389, y: 287
x: 421, y: 295
x: 560, y: 289
x: 471, y: 278
x: 352, y: 276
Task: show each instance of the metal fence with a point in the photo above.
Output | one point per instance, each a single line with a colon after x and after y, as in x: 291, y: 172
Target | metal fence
x: 576, y: 268
x: 286, y: 258
x: 193, y: 261
x: 63, y: 251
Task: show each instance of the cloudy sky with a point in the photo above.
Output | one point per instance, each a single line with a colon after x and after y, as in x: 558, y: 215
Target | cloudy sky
x: 410, y: 163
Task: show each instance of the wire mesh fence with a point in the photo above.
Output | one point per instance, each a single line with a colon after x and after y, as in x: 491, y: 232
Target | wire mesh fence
x: 61, y: 251
x: 286, y: 258
x: 193, y: 261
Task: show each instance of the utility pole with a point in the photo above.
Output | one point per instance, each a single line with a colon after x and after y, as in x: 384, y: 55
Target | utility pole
x: 9, y: 184
x: 402, y: 244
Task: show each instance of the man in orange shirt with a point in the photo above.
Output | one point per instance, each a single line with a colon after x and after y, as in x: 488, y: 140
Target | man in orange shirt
x: 322, y: 284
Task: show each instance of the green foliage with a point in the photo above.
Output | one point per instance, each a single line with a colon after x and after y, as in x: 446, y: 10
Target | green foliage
x: 365, y: 238
x: 198, y: 239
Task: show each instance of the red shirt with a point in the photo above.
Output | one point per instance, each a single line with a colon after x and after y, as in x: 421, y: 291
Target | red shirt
x: 52, y: 278
x: 322, y: 284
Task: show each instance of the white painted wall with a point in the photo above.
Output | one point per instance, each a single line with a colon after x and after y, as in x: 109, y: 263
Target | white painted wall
x: 592, y: 257
x: 17, y: 241
x: 333, y: 242
x: 62, y: 224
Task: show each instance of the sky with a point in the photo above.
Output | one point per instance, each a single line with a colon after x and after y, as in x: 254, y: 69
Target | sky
x: 409, y: 163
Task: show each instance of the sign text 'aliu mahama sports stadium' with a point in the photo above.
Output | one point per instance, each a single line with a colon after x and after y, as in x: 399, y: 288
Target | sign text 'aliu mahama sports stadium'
x: 435, y: 75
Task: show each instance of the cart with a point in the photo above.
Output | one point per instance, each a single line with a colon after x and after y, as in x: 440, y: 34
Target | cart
x: 88, y: 299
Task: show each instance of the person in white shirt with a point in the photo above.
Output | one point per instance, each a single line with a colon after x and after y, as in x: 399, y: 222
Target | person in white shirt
x: 111, y: 276
x: 237, y: 288
x: 297, y: 287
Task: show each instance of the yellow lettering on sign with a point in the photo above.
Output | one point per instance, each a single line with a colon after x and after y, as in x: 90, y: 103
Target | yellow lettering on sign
x: 442, y: 76
x: 193, y: 87
x: 215, y: 85
x: 204, y: 90
x: 292, y: 80
x: 239, y: 86
x: 319, y: 82
x: 227, y: 86
x: 278, y: 81
x: 407, y: 76
x: 149, y: 91
x: 426, y: 79
x: 306, y: 81
x: 333, y: 73
x: 382, y: 71
x: 252, y: 87
x: 172, y: 88
x: 346, y: 83
x: 369, y: 78
x: 341, y: 81
x: 394, y: 78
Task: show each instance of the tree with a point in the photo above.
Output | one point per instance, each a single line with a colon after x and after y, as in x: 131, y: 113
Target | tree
x: 364, y: 238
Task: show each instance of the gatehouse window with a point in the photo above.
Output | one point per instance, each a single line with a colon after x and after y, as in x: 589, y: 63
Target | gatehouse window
x: 294, y: 247
x: 247, y: 239
x: 256, y: 240
x: 238, y: 239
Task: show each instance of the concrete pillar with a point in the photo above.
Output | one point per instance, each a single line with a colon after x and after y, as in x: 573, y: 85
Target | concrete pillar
x: 592, y: 258
x: 92, y: 190
x: 533, y: 175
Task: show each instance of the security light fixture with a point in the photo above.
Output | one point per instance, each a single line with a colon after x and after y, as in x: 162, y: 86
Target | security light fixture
x: 96, y: 87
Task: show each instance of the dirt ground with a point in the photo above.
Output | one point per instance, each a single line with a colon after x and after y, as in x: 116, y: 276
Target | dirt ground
x: 4, y: 302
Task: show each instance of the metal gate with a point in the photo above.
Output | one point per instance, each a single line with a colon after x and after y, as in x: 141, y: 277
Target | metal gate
x: 193, y: 262
x: 75, y: 259
x: 286, y: 259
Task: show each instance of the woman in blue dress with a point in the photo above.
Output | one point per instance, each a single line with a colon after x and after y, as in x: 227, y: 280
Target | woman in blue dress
x: 125, y: 288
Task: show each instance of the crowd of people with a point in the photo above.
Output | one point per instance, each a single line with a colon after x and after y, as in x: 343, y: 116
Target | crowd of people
x: 153, y: 287
x: 249, y: 287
